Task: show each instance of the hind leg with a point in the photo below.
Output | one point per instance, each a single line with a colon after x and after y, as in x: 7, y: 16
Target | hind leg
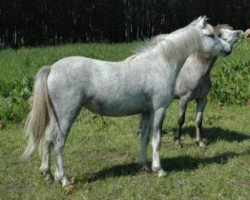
x: 66, y: 106
x: 59, y: 172
x: 54, y: 135
x: 45, y: 164
x: 65, y: 118
x: 59, y: 143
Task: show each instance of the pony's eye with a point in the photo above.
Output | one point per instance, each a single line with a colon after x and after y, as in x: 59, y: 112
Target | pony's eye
x: 211, y: 35
x: 219, y: 35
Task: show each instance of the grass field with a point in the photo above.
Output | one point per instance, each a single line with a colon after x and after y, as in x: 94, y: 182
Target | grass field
x: 101, y: 152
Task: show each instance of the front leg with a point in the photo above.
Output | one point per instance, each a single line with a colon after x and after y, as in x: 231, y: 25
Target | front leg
x: 201, y: 103
x: 156, y: 125
x: 144, y: 137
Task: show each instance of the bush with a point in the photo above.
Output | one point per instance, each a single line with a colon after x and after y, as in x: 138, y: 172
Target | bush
x: 14, y: 104
x: 231, y: 82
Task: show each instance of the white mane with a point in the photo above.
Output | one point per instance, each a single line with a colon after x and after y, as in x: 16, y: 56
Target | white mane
x: 174, y: 45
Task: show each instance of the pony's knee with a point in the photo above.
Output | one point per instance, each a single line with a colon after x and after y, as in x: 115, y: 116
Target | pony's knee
x: 181, y: 119
x: 156, y: 141
x: 58, y: 148
x: 198, y: 120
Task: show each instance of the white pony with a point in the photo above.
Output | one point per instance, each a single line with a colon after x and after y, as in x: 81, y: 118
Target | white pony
x: 194, y: 83
x: 142, y: 84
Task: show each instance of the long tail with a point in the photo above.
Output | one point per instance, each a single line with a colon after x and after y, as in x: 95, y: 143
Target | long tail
x: 40, y: 113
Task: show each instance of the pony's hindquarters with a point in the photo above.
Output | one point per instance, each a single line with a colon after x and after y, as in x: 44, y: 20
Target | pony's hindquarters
x: 39, y: 115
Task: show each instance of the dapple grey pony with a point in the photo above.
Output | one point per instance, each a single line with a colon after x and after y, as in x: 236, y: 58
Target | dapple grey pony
x: 143, y: 84
x: 194, y: 83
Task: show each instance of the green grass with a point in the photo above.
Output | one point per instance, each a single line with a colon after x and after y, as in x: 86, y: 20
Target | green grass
x: 101, y: 152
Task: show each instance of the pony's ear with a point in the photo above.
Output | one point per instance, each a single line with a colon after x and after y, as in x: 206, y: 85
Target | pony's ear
x: 202, y: 22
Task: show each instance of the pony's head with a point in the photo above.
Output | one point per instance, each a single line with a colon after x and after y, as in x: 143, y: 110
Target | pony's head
x: 210, y: 42
x: 229, y: 35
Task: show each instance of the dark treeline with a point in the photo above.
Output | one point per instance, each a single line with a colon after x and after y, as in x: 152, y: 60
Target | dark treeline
x: 50, y: 22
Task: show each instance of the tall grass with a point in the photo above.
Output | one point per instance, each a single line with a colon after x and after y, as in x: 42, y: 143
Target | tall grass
x: 231, y: 76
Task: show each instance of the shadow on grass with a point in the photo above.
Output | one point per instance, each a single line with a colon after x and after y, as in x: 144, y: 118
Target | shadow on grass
x: 214, y: 134
x: 180, y: 163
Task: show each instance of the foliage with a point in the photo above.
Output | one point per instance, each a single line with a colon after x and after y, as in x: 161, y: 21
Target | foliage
x: 14, y: 100
x: 231, y: 76
x: 231, y: 84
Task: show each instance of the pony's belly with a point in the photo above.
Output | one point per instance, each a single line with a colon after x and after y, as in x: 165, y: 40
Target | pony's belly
x: 117, y: 108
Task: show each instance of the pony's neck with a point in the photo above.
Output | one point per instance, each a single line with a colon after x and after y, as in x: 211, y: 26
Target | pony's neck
x: 207, y: 61
x: 180, y: 44
x: 177, y: 46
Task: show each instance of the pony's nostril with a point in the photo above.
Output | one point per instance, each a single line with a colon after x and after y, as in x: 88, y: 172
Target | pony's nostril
x: 226, y: 52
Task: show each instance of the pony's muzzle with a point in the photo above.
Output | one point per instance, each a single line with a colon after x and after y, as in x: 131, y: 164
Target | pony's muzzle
x: 226, y: 52
x: 240, y: 34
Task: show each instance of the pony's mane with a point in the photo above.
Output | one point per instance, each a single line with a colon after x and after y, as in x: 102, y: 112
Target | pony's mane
x: 224, y: 26
x: 217, y: 28
x: 148, y: 44
x: 170, y: 44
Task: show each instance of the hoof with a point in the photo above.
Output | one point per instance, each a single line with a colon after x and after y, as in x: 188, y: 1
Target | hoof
x: 177, y: 143
x: 146, y: 168
x: 200, y: 143
x: 161, y: 173
x: 49, y: 177
x: 63, y: 180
